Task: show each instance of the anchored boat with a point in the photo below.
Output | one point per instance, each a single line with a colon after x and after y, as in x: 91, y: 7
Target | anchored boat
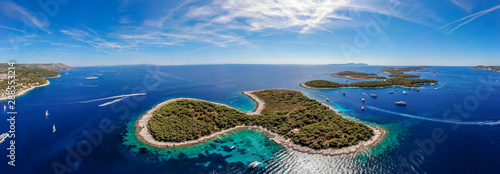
x: 401, y: 103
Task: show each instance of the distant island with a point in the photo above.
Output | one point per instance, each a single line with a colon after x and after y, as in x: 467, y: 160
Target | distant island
x: 357, y: 64
x: 400, y: 72
x: 286, y: 116
x: 403, y: 82
x: 29, y: 76
x: 358, y: 75
x: 490, y: 68
x: 394, y: 72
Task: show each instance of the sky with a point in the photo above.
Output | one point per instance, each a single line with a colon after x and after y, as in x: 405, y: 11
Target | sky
x: 123, y: 32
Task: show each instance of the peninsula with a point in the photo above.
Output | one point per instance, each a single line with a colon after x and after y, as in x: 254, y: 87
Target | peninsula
x: 285, y: 116
x: 358, y: 75
x: 28, y: 77
x: 490, y: 68
x: 403, y: 82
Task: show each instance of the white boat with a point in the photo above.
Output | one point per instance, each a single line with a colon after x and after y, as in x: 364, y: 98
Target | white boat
x: 92, y: 77
x: 232, y: 147
x: 4, y: 107
x: 402, y: 103
x: 254, y: 164
x: 374, y: 95
x: 363, y: 99
x: 46, y: 113
x: 328, y: 100
x: 391, y: 92
x: 404, y: 92
x: 54, y: 128
x: 3, y: 137
x: 362, y: 108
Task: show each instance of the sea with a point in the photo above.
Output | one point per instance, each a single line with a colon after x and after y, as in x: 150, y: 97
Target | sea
x: 449, y: 127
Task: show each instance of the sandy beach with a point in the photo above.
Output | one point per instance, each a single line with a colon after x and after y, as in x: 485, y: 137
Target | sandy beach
x: 144, y: 136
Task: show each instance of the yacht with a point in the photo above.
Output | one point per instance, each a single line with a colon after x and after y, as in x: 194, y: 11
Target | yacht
x: 402, y: 103
x: 3, y: 137
x: 404, y: 92
x: 363, y: 99
x: 46, y: 113
x: 328, y: 100
x: 54, y: 128
x: 92, y: 77
x: 232, y: 147
x: 362, y: 108
x: 374, y: 95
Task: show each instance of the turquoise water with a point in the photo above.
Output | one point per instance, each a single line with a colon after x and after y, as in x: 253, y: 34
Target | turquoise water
x: 473, y: 134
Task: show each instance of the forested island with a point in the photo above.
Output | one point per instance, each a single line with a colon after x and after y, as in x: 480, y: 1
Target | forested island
x: 490, y: 68
x: 28, y: 76
x: 393, y: 72
x: 403, y: 82
x: 296, y: 120
x: 358, y: 75
x: 400, y: 72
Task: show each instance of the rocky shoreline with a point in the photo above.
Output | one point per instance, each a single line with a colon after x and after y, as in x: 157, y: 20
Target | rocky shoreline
x: 144, y: 136
x: 29, y: 89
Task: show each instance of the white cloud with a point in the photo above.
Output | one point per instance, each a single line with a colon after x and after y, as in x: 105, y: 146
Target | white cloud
x: 17, y: 12
x: 467, y: 5
x: 13, y: 29
x: 95, y: 41
x: 468, y: 19
x: 228, y: 22
x: 125, y: 20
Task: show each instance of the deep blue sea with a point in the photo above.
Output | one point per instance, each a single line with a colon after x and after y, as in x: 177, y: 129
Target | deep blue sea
x: 451, y: 127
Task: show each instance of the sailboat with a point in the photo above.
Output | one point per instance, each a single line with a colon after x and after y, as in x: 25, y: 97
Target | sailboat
x: 46, y: 113
x: 4, y: 107
x: 54, y: 128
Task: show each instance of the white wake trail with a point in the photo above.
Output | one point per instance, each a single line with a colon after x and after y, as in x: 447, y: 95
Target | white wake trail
x: 491, y: 123
x: 118, y: 96
x: 111, y: 102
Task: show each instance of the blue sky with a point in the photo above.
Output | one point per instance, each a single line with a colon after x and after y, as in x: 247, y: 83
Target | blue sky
x: 391, y: 32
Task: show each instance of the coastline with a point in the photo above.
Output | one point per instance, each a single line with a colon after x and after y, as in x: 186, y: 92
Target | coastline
x: 145, y: 137
x: 31, y: 88
x: 303, y: 84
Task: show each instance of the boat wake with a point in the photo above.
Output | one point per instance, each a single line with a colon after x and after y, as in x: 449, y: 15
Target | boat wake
x: 479, y: 123
x: 120, y: 98
x: 111, y: 102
